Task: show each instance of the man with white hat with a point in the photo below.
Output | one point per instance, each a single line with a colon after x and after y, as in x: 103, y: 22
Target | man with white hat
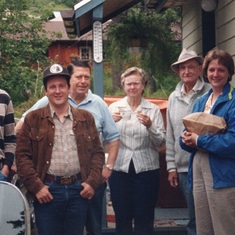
x: 180, y: 103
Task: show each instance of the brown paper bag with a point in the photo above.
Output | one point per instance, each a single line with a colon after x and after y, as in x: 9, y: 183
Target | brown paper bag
x: 204, y: 123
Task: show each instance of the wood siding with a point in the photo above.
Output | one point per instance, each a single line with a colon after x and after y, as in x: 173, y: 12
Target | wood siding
x: 191, y: 26
x: 62, y: 51
x: 225, y: 26
x: 224, y: 23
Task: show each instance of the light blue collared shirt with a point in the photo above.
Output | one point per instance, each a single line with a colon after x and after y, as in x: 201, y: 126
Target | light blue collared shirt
x: 97, y: 107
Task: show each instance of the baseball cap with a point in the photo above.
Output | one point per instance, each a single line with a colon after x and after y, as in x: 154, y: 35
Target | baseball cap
x: 55, y: 70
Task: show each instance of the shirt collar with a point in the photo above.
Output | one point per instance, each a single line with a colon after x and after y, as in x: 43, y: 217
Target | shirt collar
x: 68, y: 115
x: 195, y: 88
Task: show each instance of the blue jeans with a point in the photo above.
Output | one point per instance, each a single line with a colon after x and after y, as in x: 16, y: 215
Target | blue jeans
x: 134, y: 198
x: 65, y: 214
x: 3, y: 177
x: 95, y: 209
x: 188, y: 195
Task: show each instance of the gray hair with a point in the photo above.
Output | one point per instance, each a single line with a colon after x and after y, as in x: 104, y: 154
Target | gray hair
x: 135, y: 71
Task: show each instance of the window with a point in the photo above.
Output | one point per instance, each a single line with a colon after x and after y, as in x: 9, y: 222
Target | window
x: 85, y: 53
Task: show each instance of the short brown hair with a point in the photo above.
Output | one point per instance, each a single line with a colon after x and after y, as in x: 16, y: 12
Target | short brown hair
x: 223, y: 58
x: 77, y: 63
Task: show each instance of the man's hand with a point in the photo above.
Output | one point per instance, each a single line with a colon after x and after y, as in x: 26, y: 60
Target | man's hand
x: 5, y: 170
x: 87, y: 192
x: 173, y: 178
x: 106, y: 173
x: 44, y: 196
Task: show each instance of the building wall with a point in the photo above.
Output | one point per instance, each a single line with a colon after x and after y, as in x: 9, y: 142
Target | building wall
x: 63, y: 51
x: 224, y: 23
x: 60, y: 52
x: 191, y: 26
x: 225, y: 26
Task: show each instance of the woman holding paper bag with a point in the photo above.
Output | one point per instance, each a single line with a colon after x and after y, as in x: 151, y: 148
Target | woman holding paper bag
x: 212, y: 160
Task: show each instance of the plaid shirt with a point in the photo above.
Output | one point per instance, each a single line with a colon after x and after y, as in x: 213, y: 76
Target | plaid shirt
x: 64, y: 161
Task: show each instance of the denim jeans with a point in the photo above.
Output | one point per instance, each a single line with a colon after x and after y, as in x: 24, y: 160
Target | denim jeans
x: 94, y: 215
x: 134, y: 198
x: 3, y: 177
x: 188, y: 195
x: 65, y: 214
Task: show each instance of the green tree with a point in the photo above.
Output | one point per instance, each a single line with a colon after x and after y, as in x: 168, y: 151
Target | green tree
x: 23, y: 46
x: 154, y: 37
x: 69, y: 3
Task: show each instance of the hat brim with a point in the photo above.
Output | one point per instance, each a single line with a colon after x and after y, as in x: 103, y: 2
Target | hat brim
x: 174, y: 66
x: 46, y: 78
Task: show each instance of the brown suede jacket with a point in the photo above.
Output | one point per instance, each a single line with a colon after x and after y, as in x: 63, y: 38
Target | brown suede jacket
x: 35, y: 143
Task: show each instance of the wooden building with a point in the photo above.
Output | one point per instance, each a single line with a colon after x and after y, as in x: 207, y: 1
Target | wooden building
x: 63, y: 48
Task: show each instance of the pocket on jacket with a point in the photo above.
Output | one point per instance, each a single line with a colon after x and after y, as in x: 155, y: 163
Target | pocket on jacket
x: 37, y: 134
x: 89, y: 138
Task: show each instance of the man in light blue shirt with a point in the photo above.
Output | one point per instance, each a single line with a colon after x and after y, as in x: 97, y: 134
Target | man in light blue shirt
x: 82, y: 97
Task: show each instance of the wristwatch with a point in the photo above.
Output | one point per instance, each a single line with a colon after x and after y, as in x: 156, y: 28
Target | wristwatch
x: 109, y: 166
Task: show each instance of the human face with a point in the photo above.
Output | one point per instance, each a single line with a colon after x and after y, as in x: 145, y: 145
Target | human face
x: 217, y: 75
x: 189, y: 72
x: 57, y: 91
x: 80, y: 82
x: 133, y: 86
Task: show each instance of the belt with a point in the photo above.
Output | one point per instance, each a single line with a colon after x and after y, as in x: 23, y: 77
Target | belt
x: 63, y: 179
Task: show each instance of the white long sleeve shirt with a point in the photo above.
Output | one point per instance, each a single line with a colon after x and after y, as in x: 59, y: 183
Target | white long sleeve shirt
x: 137, y: 143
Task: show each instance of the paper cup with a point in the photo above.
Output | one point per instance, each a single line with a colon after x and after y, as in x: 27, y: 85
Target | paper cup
x: 125, y: 113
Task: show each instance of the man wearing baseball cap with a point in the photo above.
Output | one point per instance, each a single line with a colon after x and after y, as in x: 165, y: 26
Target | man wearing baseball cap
x: 59, y: 158
x: 81, y: 97
x: 188, y: 67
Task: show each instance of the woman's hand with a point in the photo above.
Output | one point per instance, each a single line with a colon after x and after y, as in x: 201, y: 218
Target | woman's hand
x: 116, y: 116
x: 189, y: 138
x: 144, y: 119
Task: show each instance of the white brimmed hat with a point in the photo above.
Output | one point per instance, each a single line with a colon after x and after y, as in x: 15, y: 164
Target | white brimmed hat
x: 186, y: 55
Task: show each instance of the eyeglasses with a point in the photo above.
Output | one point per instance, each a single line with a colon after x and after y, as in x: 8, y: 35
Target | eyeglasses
x: 135, y: 84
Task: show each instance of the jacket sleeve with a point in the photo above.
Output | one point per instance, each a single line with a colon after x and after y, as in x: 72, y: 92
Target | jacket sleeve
x: 24, y: 160
x: 157, y: 131
x: 8, y: 135
x: 220, y: 145
x: 170, y: 139
x: 109, y: 132
x: 185, y: 147
x: 94, y: 176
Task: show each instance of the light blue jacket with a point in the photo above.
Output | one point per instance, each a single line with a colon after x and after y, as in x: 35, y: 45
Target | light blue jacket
x: 220, y: 147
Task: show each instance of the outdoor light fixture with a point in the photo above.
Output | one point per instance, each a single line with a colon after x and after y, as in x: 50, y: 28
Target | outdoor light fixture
x: 209, y: 5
